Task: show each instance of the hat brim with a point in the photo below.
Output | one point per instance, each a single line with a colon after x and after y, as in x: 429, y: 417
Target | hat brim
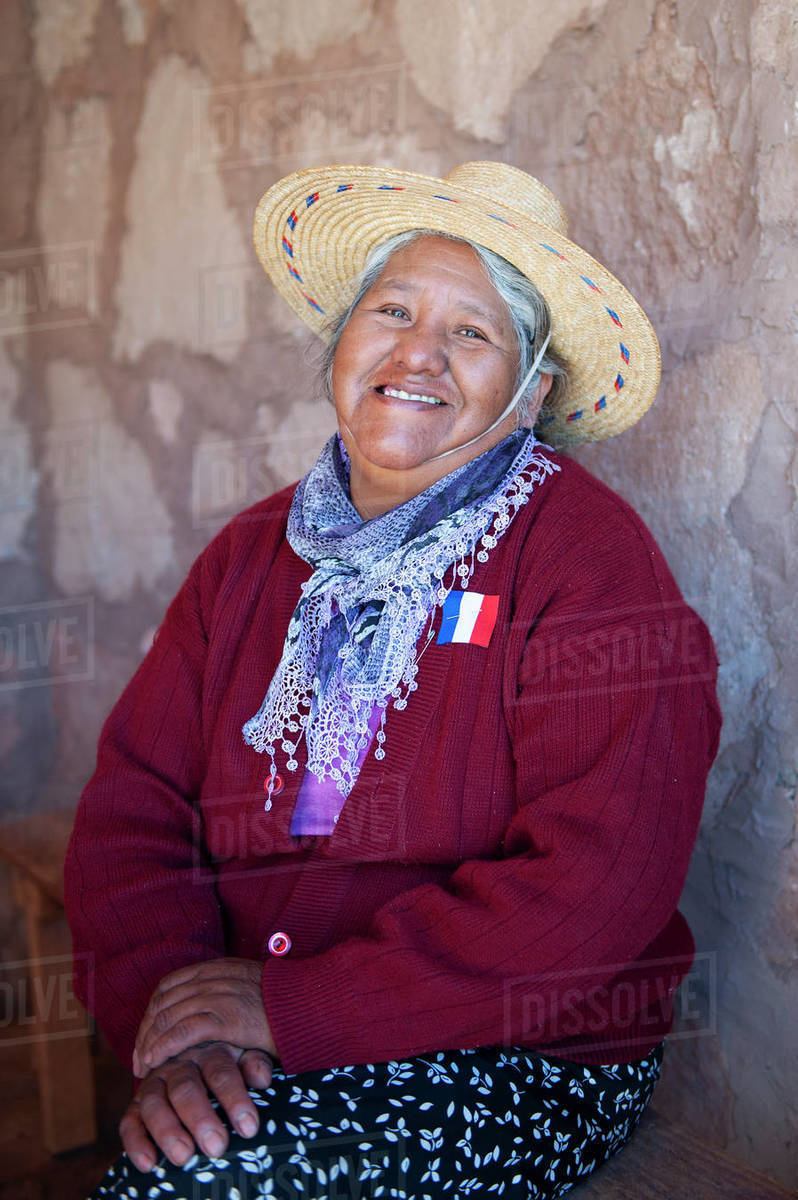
x: 315, y: 228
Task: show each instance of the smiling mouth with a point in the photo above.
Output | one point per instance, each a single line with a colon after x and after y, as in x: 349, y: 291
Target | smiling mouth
x: 399, y: 394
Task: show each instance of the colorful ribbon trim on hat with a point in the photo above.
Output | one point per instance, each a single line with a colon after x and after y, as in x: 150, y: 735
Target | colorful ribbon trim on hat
x: 313, y: 197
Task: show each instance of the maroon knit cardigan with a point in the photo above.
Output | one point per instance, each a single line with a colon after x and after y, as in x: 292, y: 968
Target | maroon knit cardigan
x: 508, y: 874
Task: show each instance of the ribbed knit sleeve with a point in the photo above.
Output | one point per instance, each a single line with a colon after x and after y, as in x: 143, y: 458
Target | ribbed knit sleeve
x: 140, y: 899
x: 614, y: 724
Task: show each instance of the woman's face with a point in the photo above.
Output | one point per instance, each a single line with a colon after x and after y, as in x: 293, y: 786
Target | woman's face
x: 427, y: 361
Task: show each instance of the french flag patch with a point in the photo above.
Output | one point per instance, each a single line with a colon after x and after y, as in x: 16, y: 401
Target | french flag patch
x: 468, y: 617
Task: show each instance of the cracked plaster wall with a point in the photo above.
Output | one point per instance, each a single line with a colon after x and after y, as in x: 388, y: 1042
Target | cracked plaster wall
x: 151, y: 385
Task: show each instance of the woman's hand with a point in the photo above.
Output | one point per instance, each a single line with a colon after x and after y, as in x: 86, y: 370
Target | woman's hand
x: 206, y: 1002
x: 173, y: 1112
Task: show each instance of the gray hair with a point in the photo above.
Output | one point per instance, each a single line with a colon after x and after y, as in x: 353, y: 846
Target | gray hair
x: 528, y: 310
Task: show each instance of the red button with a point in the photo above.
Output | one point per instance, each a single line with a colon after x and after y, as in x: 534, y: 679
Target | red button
x: 273, y: 784
x: 279, y: 944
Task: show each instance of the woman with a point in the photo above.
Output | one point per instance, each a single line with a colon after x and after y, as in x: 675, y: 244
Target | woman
x: 417, y: 929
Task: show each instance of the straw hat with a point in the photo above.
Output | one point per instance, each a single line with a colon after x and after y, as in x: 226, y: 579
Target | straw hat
x: 315, y: 228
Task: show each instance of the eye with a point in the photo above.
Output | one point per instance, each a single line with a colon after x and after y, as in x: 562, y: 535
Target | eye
x: 393, y: 310
x: 473, y: 334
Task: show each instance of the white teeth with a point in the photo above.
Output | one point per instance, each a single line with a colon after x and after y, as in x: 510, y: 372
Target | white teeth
x: 400, y: 395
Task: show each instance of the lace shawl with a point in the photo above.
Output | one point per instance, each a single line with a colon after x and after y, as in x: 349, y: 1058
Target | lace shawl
x: 354, y: 639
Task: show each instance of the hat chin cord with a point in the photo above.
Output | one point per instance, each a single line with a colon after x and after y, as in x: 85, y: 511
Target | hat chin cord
x: 524, y: 384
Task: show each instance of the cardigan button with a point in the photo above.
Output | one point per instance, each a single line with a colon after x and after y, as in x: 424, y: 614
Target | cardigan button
x: 279, y: 944
x: 273, y: 785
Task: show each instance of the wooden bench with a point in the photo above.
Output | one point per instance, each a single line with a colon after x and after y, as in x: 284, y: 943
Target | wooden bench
x: 56, y: 1025
x: 664, y: 1161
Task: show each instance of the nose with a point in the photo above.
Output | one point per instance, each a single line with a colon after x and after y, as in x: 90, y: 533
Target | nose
x: 420, y: 349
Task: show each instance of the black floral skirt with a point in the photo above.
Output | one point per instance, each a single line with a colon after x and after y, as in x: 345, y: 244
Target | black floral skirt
x: 508, y: 1122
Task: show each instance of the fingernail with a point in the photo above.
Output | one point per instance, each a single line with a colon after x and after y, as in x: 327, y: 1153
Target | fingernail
x: 143, y: 1162
x: 246, y: 1123
x: 213, y: 1144
x: 179, y: 1150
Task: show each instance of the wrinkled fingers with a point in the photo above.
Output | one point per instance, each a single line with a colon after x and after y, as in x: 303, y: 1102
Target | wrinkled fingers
x: 186, y: 1103
x: 152, y: 1114
x: 169, y: 1008
x: 256, y: 1067
x: 184, y: 1032
x: 226, y: 1081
